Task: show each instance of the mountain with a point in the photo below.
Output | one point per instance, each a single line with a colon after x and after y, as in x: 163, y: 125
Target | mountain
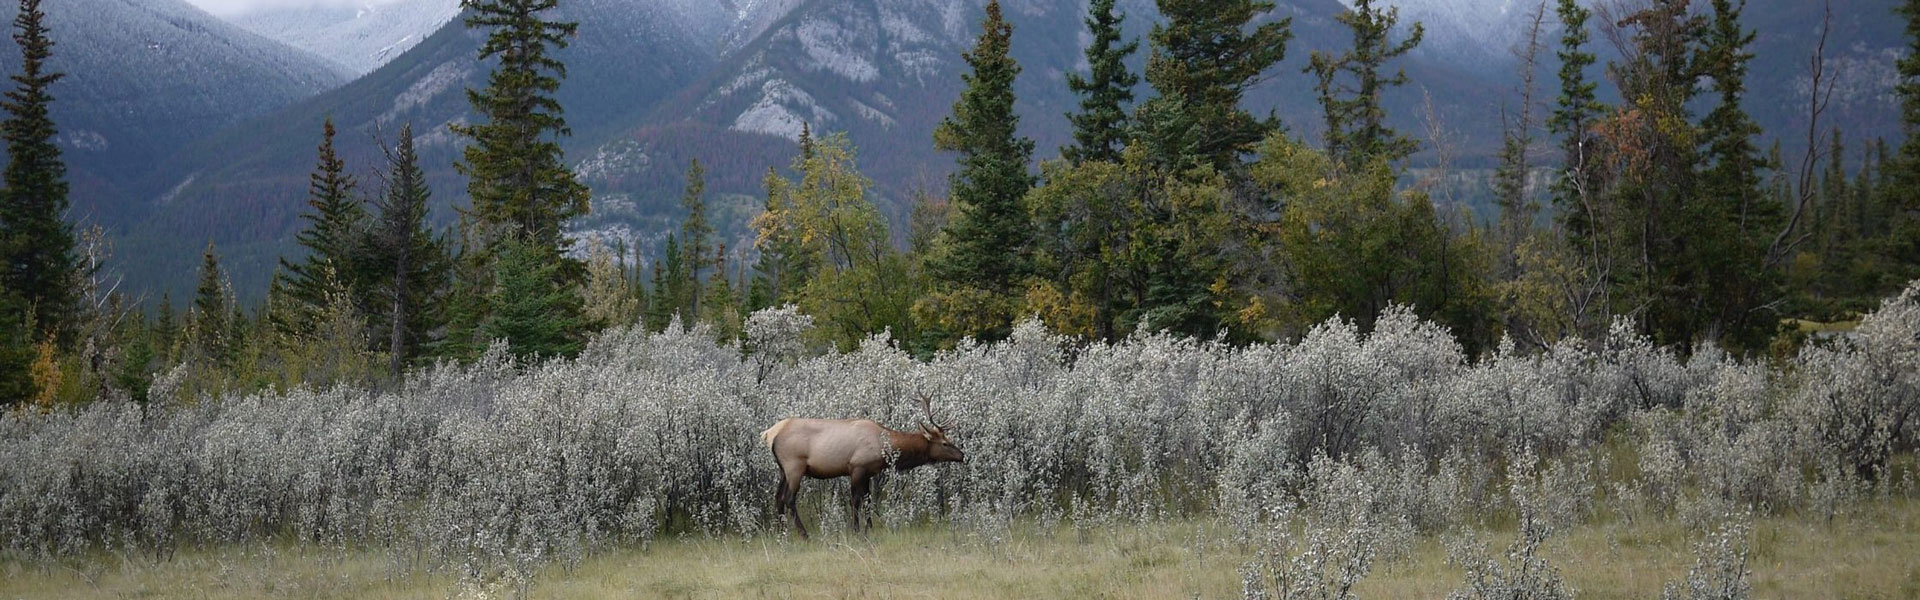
x: 359, y: 37
x: 655, y: 83
x: 146, y: 77
x: 245, y: 186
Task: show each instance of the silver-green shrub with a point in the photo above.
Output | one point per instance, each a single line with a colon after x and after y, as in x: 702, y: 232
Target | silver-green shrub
x: 493, y: 468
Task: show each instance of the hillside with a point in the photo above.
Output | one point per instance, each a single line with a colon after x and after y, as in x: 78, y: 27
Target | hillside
x: 244, y: 187
x: 653, y: 85
x: 359, y: 37
x: 144, y: 78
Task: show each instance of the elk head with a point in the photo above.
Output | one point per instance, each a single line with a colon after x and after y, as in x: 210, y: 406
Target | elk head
x: 939, y: 448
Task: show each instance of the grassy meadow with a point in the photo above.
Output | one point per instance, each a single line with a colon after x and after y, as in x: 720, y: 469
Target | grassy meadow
x: 1873, y: 551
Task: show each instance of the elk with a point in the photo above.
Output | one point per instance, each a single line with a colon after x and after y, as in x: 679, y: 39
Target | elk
x: 856, y: 449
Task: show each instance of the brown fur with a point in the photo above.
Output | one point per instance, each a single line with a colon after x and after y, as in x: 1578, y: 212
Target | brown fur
x: 856, y: 449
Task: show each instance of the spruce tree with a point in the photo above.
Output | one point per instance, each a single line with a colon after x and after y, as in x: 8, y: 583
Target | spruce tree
x: 785, y: 262
x: 1356, y: 125
x: 669, y: 288
x: 38, y: 262
x: 532, y: 310
x: 16, y: 351
x: 1574, y: 115
x: 1203, y: 59
x: 1902, y: 188
x: 412, y: 263
x: 165, y: 331
x: 332, y: 240
x: 696, y: 233
x: 517, y: 181
x: 989, y: 241
x: 1654, y: 221
x: 1734, y: 218
x: 1100, y: 127
x: 212, y: 319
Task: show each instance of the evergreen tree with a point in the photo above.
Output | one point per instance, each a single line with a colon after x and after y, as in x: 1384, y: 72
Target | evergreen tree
x: 38, y: 262
x: 989, y: 241
x: 669, y: 288
x: 412, y: 263
x: 332, y: 241
x: 516, y: 179
x: 1100, y: 128
x: 165, y: 331
x: 530, y: 307
x: 786, y: 263
x: 16, y: 351
x: 1734, y: 217
x: 211, y: 322
x: 1903, y: 174
x: 1652, y: 216
x: 1573, y: 118
x: 1356, y: 126
x: 696, y: 233
x: 1510, y: 187
x: 1203, y: 59
x: 720, y: 306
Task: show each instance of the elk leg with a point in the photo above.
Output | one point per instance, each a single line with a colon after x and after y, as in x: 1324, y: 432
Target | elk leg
x: 857, y: 482
x: 790, y: 478
x: 862, y: 492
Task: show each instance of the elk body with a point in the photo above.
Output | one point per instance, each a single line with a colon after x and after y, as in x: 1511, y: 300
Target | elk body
x: 856, y: 449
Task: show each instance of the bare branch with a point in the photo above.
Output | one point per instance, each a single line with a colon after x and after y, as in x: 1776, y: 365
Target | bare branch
x: 1820, y: 93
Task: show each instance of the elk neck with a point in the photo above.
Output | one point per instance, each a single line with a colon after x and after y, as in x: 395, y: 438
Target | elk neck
x: 910, y: 447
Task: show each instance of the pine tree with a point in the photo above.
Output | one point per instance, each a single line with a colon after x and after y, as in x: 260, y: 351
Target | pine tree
x: 332, y: 241
x: 1356, y: 126
x: 516, y: 179
x: 211, y: 321
x: 669, y: 288
x: 1734, y: 218
x: 1653, y: 203
x: 1903, y: 174
x: 989, y: 241
x: 1203, y: 59
x: 696, y: 233
x: 532, y: 310
x: 1573, y: 119
x: 165, y: 331
x: 785, y: 262
x: 1100, y: 128
x: 412, y: 263
x: 16, y: 351
x: 1517, y: 209
x: 38, y: 262
x: 720, y: 306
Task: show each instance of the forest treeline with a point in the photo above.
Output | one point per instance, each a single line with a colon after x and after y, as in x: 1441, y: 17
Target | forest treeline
x: 1174, y: 209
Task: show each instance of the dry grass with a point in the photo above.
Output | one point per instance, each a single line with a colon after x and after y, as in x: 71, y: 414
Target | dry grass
x: 1874, y: 552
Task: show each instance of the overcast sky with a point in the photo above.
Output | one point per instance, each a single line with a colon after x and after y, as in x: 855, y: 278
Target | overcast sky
x: 231, y: 7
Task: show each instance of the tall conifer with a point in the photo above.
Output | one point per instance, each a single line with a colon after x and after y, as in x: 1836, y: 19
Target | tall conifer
x: 989, y: 241
x: 38, y: 261
x: 516, y: 179
x: 1100, y: 127
x: 1356, y: 124
x: 696, y: 233
x: 1204, y: 57
x: 413, y: 264
x: 332, y: 241
x: 1574, y: 115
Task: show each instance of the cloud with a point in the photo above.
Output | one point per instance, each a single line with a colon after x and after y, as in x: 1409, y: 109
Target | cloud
x: 235, y: 7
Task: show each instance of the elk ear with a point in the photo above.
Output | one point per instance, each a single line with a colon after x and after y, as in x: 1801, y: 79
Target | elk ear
x: 928, y: 431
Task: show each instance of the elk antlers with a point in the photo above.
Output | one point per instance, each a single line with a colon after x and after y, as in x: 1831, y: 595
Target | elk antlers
x: 926, y: 406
